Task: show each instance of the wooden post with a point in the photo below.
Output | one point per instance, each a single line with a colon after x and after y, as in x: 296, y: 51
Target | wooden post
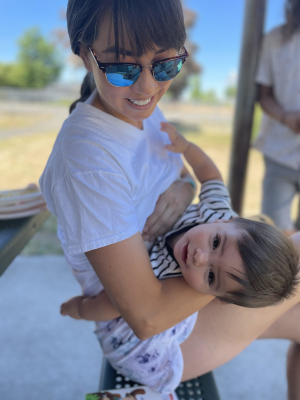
x: 246, y: 96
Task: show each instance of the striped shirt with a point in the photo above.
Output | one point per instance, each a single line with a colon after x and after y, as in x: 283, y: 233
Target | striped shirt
x: 214, y: 203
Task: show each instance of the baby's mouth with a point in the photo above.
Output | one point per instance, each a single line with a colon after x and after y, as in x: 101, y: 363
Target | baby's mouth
x: 184, y: 253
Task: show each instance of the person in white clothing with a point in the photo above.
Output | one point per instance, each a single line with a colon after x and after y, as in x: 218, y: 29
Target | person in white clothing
x: 278, y: 77
x: 108, y: 171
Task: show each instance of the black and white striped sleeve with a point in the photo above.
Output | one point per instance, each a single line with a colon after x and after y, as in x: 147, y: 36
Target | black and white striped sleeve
x: 215, y: 195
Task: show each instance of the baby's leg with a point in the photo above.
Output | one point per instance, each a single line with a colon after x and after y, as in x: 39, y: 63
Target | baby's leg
x: 223, y: 331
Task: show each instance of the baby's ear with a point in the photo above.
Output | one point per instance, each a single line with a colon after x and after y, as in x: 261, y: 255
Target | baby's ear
x: 221, y: 302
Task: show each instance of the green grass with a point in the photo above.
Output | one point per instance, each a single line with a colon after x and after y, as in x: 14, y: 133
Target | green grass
x: 23, y: 160
x: 256, y: 121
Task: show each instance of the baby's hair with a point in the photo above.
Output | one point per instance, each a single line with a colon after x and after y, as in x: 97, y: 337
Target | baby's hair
x: 143, y: 24
x: 271, y: 265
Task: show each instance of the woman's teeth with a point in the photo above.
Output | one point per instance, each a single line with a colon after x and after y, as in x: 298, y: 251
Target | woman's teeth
x: 140, y: 102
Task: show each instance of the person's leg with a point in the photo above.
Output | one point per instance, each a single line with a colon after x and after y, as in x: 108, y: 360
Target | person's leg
x: 223, y: 331
x: 288, y: 327
x: 279, y: 189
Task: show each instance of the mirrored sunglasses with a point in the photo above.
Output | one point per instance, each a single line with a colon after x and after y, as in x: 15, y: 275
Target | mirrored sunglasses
x: 126, y: 74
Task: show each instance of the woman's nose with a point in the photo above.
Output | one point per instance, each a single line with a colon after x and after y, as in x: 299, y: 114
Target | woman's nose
x: 146, y: 84
x: 200, y: 258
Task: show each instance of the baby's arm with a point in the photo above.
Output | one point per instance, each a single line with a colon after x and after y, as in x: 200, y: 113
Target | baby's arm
x: 204, y: 168
x: 98, y: 308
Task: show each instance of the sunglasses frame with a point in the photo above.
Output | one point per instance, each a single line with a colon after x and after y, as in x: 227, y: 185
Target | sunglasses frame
x: 103, y: 66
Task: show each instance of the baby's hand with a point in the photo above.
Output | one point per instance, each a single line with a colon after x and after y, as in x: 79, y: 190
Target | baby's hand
x: 178, y: 143
x: 71, y: 307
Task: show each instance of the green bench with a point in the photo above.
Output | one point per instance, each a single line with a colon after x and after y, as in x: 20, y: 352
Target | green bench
x: 201, y: 388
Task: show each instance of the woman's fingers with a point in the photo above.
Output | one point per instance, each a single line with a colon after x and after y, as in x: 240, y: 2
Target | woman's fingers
x: 170, y: 205
x: 162, y: 224
x: 150, y: 229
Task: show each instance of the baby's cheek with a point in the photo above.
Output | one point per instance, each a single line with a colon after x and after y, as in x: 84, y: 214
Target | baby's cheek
x: 195, y: 280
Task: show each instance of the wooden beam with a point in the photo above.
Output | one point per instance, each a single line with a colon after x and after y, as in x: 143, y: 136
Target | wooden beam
x: 246, y: 96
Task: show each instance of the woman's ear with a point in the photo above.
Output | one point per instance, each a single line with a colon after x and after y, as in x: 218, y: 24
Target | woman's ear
x: 84, y: 55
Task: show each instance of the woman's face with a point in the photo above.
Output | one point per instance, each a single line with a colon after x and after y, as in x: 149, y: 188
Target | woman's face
x: 122, y: 102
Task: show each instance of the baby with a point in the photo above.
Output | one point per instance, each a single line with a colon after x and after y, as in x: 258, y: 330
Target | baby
x: 239, y: 261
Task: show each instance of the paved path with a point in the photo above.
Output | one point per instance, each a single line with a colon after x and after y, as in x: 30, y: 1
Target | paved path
x: 191, y: 115
x: 52, y: 117
x: 44, y: 355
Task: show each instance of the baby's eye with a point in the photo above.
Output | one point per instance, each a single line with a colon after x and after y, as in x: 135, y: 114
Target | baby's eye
x: 216, y: 242
x: 211, y: 277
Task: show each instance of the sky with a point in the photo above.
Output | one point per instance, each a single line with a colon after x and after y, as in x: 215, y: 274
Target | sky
x: 218, y: 33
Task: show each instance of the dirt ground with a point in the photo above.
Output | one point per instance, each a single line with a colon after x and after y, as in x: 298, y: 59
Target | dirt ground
x: 28, y: 132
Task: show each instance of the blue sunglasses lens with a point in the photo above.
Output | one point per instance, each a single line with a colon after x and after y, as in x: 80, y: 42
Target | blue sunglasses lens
x: 122, y: 75
x: 166, y: 71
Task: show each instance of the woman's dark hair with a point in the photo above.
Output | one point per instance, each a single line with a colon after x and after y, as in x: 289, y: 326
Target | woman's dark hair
x: 292, y: 16
x: 271, y: 265
x: 143, y: 23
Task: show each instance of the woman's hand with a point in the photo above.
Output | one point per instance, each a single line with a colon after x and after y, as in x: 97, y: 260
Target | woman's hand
x: 71, y: 307
x: 169, y: 207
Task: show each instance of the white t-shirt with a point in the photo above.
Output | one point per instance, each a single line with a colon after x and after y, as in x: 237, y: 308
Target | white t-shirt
x: 102, y: 181
x: 279, y: 67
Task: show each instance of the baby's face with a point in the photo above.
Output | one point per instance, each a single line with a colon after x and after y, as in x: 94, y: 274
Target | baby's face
x: 206, y: 254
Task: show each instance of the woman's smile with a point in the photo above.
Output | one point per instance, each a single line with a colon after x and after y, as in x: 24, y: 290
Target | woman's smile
x: 140, y: 104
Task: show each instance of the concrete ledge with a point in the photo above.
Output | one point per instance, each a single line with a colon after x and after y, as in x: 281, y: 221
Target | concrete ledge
x: 45, y: 355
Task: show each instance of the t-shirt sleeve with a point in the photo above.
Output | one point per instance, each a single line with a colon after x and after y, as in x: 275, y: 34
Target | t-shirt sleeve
x: 91, y: 213
x: 264, y: 70
x: 215, y: 195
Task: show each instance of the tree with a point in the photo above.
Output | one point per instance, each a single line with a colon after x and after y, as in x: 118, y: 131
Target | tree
x: 39, y: 59
x: 198, y: 94
x: 38, y: 63
x: 191, y: 66
x: 62, y: 41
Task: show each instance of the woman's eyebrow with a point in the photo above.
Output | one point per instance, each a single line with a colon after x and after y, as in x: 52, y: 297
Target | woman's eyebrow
x: 112, y: 49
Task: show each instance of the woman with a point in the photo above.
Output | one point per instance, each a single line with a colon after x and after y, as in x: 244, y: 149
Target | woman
x: 105, y: 185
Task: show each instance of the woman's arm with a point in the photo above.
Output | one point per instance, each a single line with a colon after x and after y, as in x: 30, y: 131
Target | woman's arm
x: 273, y: 109
x: 148, y: 305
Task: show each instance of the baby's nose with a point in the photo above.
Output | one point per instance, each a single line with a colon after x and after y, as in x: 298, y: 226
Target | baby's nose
x: 200, y: 258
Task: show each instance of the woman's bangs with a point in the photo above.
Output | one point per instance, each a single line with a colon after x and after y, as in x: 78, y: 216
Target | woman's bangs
x: 141, y: 26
